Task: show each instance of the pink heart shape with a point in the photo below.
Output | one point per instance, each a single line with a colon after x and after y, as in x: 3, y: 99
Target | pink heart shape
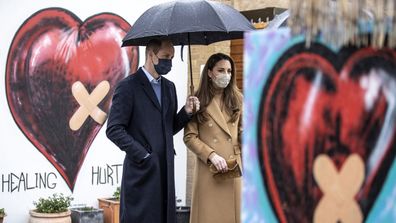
x: 51, y: 50
x: 320, y: 102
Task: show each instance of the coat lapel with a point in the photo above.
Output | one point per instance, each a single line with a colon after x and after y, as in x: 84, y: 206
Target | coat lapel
x: 166, y: 94
x: 148, y: 89
x: 214, y: 111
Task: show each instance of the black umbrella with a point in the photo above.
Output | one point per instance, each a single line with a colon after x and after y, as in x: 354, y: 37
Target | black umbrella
x: 185, y: 22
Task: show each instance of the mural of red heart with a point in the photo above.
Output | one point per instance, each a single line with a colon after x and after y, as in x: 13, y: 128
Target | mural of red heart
x: 51, y: 50
x: 320, y: 102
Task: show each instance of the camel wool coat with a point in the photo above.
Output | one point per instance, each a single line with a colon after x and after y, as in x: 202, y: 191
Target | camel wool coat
x: 214, y: 201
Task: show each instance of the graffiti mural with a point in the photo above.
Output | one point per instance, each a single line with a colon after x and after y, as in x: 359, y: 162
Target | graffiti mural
x: 320, y: 136
x: 60, y: 76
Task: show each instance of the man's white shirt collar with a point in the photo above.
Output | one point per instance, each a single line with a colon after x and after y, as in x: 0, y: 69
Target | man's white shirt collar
x: 151, y: 78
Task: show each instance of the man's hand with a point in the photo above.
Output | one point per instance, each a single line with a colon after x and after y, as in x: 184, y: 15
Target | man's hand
x: 190, y: 102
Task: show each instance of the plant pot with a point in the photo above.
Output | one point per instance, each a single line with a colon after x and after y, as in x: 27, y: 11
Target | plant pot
x: 182, y: 214
x: 111, y: 209
x: 81, y: 215
x: 1, y: 219
x: 63, y: 217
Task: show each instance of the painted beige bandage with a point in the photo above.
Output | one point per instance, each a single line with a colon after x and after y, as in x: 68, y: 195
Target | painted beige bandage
x: 339, y: 189
x: 88, y: 104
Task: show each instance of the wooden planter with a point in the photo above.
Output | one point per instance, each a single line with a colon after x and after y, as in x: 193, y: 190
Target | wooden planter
x: 1, y: 218
x: 63, y: 217
x: 111, y: 209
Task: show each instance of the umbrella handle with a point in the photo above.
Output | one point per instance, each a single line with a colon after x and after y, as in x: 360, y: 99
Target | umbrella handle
x: 192, y: 93
x: 191, y: 75
x: 191, y: 89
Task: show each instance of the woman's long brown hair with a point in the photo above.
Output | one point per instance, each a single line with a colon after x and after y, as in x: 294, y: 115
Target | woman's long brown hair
x: 232, y: 97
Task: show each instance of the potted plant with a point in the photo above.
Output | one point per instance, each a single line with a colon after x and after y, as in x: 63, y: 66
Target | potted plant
x: 182, y: 212
x: 111, y: 207
x: 53, y: 209
x: 86, y: 215
x: 117, y: 193
x: 2, y: 215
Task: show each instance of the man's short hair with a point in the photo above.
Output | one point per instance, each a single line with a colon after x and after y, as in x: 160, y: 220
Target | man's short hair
x: 154, y: 45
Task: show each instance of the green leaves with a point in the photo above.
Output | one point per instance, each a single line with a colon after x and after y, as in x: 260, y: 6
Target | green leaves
x: 2, y: 212
x: 55, y: 204
x: 117, y: 193
x: 86, y: 209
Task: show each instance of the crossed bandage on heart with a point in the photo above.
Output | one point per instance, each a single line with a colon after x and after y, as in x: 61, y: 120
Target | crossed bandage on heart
x: 339, y: 189
x: 88, y: 104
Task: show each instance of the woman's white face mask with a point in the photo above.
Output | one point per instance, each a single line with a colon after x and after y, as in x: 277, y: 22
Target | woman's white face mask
x: 222, y: 80
x: 221, y: 73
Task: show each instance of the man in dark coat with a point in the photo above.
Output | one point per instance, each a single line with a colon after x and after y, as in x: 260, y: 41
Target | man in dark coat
x: 142, y: 121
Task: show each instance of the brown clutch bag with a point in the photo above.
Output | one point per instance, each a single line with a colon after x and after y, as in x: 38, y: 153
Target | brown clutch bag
x: 234, y: 170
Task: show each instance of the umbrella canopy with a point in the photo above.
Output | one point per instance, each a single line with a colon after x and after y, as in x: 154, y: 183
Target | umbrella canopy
x: 186, y: 22
x: 196, y: 22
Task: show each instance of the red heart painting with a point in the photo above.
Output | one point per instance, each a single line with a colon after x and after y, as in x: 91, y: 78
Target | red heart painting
x: 51, y: 50
x: 320, y: 102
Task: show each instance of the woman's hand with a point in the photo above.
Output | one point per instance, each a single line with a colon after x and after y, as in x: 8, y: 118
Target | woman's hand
x: 219, y: 162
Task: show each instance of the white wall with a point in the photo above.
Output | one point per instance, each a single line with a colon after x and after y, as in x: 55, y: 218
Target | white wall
x: 19, y: 156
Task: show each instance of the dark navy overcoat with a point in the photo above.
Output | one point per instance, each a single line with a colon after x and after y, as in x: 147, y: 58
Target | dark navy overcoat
x: 138, y: 125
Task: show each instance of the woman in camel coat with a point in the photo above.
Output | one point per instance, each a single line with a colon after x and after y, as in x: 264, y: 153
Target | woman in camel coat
x: 214, y: 136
